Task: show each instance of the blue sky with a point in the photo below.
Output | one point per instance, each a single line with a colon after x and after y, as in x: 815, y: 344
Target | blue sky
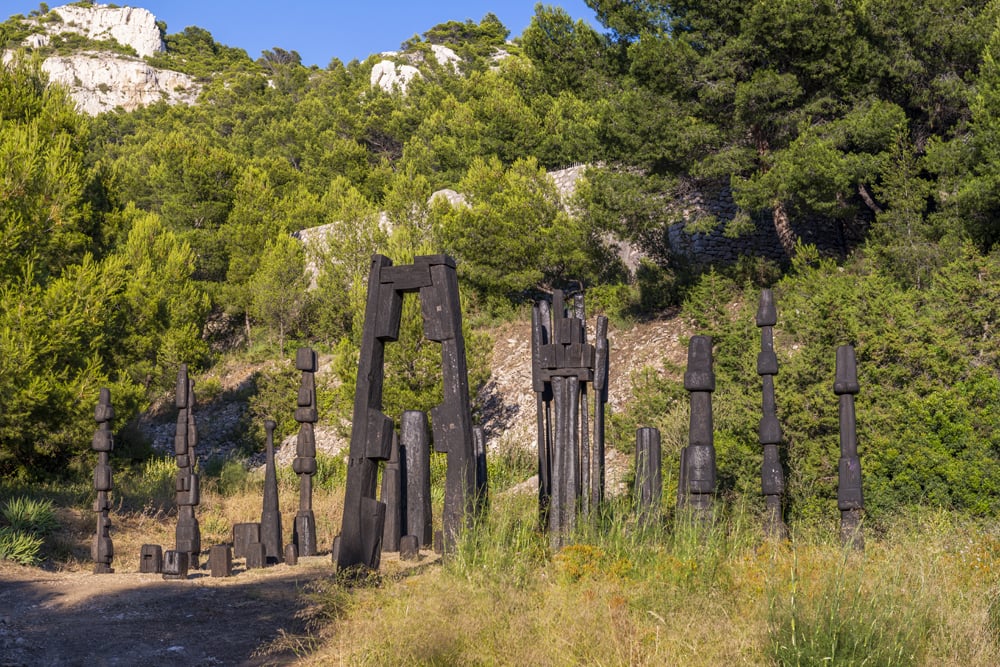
x: 324, y: 29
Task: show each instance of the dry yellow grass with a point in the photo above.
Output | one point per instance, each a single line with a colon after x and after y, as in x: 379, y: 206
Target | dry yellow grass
x: 217, y: 513
x: 917, y: 596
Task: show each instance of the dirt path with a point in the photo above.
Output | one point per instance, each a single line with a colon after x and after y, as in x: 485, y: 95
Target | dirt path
x: 78, y: 618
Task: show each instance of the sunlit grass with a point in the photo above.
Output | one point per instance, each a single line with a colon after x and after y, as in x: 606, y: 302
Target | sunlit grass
x: 691, y: 594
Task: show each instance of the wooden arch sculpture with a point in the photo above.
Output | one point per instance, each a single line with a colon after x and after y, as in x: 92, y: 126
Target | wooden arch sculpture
x: 435, y: 279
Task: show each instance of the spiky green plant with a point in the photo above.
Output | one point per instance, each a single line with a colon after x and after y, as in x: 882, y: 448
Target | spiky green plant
x: 19, y: 546
x: 30, y: 515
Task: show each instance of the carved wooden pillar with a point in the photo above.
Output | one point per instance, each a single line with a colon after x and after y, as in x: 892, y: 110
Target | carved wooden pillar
x: 850, y: 499
x: 699, y: 457
x: 772, y: 476
x: 102, y: 549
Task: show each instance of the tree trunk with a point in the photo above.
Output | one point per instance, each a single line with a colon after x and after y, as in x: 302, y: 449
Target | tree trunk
x: 246, y: 324
x: 868, y: 200
x: 783, y: 227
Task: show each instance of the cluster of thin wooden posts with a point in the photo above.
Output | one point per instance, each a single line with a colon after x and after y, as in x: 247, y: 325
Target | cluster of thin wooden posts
x: 697, y: 478
x: 564, y: 368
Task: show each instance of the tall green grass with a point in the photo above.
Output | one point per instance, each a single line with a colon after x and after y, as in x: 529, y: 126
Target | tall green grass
x: 28, y: 520
x: 849, y: 614
x: 32, y: 515
x: 148, y: 488
x: 19, y: 546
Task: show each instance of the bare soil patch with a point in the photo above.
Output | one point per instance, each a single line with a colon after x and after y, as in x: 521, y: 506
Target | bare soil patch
x: 79, y: 618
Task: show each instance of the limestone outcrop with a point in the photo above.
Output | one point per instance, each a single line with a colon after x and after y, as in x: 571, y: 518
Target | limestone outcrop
x: 445, y: 57
x: 99, y: 82
x: 389, y: 76
x: 130, y: 26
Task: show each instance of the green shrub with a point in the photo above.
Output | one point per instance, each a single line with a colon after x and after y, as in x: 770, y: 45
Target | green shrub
x: 617, y: 301
x: 331, y: 471
x: 658, y: 287
x: 30, y: 515
x: 150, y: 486
x: 233, y: 477
x: 19, y: 546
x: 275, y: 387
x: 208, y: 389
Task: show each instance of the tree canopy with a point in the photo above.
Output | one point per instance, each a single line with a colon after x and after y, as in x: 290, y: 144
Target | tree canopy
x: 122, y: 235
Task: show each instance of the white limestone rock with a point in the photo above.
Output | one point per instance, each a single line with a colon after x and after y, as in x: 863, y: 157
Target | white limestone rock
x: 389, y: 76
x: 130, y: 26
x: 566, y: 180
x: 445, y: 56
x: 99, y: 82
x: 102, y: 81
x: 454, y: 199
x: 37, y: 41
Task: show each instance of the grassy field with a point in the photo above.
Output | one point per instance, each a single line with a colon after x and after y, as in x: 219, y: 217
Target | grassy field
x: 925, y: 592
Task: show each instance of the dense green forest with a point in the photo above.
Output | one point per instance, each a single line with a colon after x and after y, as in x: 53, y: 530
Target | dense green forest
x: 131, y: 242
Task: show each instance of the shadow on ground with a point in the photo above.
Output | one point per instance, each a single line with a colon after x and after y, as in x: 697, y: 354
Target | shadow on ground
x: 136, y: 619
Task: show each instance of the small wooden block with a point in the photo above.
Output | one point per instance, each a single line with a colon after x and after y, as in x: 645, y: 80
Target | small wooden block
x: 291, y: 554
x: 256, y: 555
x: 244, y: 534
x: 409, y: 547
x: 151, y: 559
x: 220, y: 560
x: 175, y: 565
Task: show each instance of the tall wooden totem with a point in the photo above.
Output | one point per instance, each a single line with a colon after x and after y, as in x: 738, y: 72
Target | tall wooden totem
x: 304, y: 465
x: 772, y: 475
x: 696, y: 487
x: 372, y: 432
x: 270, y: 515
x: 850, y: 499
x: 187, y: 486
x: 103, y: 550
x: 570, y: 464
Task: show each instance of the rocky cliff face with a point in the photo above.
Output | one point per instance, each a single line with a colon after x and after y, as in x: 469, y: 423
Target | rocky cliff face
x: 130, y: 26
x: 101, y: 80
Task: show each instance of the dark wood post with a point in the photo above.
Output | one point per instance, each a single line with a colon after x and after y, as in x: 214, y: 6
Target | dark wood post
x: 304, y: 464
x: 270, y: 517
x: 849, y: 496
x: 415, y: 442
x: 699, y: 458
x: 648, y: 475
x: 188, y: 534
x: 772, y: 476
x: 102, y: 551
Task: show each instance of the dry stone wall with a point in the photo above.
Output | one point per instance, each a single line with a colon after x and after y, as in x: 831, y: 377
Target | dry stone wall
x: 715, y: 202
